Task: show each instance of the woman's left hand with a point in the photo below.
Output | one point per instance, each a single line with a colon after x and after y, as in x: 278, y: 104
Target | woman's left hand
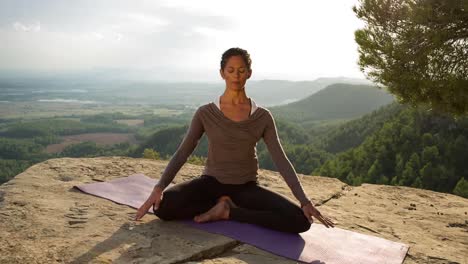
x: 310, y: 210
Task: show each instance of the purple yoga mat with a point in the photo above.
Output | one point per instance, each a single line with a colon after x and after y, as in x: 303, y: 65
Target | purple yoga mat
x: 318, y: 245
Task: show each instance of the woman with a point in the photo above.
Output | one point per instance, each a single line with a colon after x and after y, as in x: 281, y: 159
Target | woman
x: 228, y: 187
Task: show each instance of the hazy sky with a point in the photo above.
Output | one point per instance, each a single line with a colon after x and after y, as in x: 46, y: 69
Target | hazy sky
x: 180, y: 40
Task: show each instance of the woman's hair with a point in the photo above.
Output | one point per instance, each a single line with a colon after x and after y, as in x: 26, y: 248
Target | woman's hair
x: 236, y: 52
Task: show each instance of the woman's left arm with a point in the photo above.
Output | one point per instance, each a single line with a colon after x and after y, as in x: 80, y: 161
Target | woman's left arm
x: 285, y: 168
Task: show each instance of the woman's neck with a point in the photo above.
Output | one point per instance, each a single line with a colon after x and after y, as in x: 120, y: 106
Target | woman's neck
x: 234, y: 97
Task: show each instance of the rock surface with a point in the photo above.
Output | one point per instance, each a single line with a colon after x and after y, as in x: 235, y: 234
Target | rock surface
x: 44, y: 220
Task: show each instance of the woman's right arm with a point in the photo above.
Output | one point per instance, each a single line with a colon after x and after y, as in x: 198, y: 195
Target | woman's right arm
x: 189, y: 143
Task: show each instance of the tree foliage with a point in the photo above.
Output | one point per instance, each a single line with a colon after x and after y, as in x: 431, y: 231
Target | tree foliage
x: 414, y: 148
x: 418, y: 49
x: 351, y: 134
x: 461, y: 188
x: 91, y: 149
x: 149, y: 153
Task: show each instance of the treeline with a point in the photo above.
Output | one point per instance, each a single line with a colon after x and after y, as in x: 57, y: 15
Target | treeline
x: 22, y: 143
x: 91, y: 149
x: 394, y: 145
x: 11, y: 168
x: 153, y: 123
x: 305, y: 158
x: 166, y: 141
x: 416, y: 148
x: 18, y: 154
x: 61, y: 127
x: 351, y: 134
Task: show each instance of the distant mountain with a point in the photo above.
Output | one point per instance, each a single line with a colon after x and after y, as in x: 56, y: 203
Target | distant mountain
x: 106, y: 88
x: 335, y: 102
x: 280, y: 92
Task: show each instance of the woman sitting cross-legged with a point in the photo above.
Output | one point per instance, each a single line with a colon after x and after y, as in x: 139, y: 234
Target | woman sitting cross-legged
x: 228, y: 187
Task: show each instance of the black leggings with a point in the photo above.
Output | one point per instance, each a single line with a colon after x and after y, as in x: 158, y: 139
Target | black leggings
x: 256, y: 205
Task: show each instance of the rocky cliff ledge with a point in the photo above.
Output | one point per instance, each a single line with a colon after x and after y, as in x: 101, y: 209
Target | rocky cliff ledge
x: 44, y: 220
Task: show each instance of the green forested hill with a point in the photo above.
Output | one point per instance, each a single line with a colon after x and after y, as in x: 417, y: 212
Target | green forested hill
x: 335, y: 102
x: 413, y: 148
x: 351, y: 134
x: 279, y: 92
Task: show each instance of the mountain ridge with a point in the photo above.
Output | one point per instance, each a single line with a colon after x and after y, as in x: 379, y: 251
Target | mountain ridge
x: 337, y: 101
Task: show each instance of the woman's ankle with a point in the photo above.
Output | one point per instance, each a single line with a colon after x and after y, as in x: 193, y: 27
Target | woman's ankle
x: 228, y: 200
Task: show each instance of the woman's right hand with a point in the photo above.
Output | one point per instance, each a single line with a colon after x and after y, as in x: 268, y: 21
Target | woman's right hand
x: 154, y: 198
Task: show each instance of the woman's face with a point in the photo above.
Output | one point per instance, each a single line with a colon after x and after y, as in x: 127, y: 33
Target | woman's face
x: 235, y: 73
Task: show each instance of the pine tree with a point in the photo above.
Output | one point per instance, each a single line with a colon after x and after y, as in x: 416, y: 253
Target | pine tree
x: 417, y: 49
x: 461, y: 188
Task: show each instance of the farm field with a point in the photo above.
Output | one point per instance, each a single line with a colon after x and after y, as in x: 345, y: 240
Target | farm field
x: 131, y: 122
x: 33, y: 110
x: 98, y: 138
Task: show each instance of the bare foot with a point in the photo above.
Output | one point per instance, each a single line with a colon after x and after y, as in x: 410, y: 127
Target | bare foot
x: 228, y: 200
x: 218, y: 212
